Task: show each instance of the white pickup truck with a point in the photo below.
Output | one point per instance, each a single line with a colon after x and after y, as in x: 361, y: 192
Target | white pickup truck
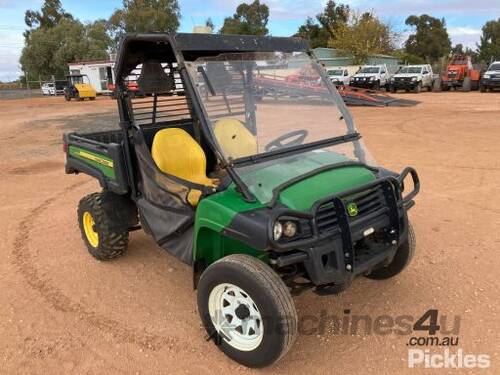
x: 413, y: 77
x: 339, y: 76
x: 371, y: 77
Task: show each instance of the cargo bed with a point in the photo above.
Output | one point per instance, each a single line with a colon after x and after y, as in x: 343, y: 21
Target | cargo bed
x: 100, y: 155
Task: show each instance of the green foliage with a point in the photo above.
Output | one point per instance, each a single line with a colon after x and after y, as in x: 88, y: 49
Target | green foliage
x: 249, y: 19
x: 459, y: 49
x: 314, y: 33
x: 334, y: 17
x: 145, y: 16
x: 430, y: 40
x: 489, y: 45
x: 407, y: 58
x: 49, y: 16
x: 363, y: 36
x: 55, y: 38
x: 48, y: 51
x: 326, y: 25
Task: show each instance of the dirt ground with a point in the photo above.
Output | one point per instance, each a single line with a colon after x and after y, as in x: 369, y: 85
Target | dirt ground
x: 61, y: 311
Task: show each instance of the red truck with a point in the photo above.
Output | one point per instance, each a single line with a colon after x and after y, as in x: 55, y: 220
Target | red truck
x: 460, y: 74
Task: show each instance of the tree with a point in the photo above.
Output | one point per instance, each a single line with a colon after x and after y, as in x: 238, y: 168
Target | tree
x: 326, y: 25
x: 145, y: 16
x: 364, y: 35
x: 314, y: 33
x: 430, y: 40
x: 210, y: 23
x: 48, y: 51
x: 249, y: 19
x: 489, y: 45
x: 334, y: 17
x: 459, y: 49
x: 50, y: 15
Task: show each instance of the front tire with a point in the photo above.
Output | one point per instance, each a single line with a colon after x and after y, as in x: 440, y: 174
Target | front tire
x: 103, y: 238
x: 400, y: 261
x: 437, y: 85
x: 247, y: 309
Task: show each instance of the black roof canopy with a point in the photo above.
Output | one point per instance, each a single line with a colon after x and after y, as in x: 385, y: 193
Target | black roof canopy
x: 135, y: 48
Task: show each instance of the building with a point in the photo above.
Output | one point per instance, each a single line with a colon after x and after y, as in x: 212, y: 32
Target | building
x: 100, y: 73
x: 330, y: 57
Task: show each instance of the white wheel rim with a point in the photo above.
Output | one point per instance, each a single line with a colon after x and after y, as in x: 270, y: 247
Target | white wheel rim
x: 236, y: 317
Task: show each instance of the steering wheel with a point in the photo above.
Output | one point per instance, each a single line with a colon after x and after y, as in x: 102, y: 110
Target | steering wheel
x: 297, y: 138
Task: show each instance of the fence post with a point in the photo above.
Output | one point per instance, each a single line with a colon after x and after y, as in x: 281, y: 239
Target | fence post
x: 54, y: 82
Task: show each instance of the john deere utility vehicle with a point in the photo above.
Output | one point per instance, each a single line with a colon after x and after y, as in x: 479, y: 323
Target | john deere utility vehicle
x: 78, y: 87
x: 263, y: 197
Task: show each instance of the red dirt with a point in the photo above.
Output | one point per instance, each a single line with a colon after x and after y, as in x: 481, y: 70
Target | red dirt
x: 63, y: 312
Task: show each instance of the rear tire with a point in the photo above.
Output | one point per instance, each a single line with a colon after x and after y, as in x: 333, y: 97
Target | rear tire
x: 104, y: 239
x: 265, y: 328
x: 401, y: 260
x: 467, y: 84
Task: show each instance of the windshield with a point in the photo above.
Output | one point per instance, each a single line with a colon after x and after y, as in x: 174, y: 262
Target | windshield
x: 275, y: 115
x: 369, y: 69
x: 494, y: 67
x: 335, y: 72
x: 411, y: 69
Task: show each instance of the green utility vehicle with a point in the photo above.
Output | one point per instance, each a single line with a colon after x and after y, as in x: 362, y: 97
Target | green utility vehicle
x: 262, y: 196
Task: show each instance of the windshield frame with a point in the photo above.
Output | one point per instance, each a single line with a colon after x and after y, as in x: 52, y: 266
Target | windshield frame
x: 494, y: 67
x: 230, y: 165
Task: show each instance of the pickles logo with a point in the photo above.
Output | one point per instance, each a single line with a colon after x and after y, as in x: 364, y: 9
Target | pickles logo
x: 352, y: 209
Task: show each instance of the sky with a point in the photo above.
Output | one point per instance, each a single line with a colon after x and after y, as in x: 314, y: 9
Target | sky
x: 464, y: 18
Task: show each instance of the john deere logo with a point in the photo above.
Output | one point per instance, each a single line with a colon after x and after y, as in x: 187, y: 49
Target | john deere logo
x: 352, y: 209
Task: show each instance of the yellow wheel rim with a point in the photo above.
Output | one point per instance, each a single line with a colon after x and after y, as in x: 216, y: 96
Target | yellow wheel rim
x: 90, y: 233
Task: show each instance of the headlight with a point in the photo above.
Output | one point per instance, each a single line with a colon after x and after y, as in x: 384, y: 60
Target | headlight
x: 372, y: 78
x: 392, y: 79
x: 277, y: 231
x: 413, y: 79
x: 289, y: 229
x: 487, y: 76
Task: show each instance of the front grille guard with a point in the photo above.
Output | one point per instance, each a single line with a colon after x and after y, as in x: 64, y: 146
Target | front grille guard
x: 391, y: 187
x: 345, y: 223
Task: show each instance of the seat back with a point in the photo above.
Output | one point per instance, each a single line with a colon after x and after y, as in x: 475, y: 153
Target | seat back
x: 154, y: 80
x: 234, y: 138
x: 176, y: 153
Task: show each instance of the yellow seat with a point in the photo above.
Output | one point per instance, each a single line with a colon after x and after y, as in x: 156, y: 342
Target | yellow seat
x: 176, y: 153
x: 235, y: 140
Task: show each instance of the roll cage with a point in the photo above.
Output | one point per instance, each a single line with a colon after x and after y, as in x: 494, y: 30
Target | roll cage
x: 172, y: 51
